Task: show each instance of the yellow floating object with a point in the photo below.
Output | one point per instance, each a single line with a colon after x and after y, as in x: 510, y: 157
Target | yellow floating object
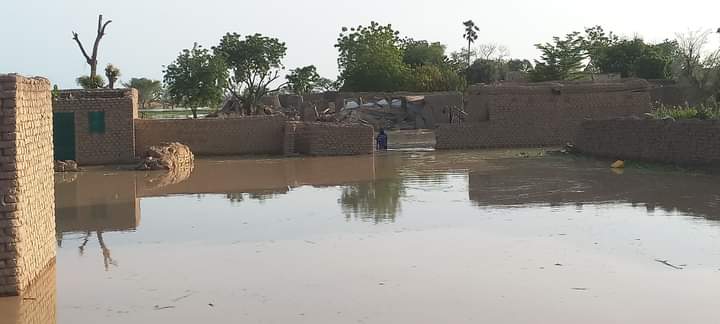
x: 619, y: 164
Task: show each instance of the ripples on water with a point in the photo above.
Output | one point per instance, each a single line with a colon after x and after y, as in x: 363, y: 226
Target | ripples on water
x: 411, y: 237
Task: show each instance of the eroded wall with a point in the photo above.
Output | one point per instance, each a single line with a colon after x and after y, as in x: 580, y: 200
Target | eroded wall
x: 680, y: 142
x: 116, y: 144
x: 545, y: 114
x: 27, y: 213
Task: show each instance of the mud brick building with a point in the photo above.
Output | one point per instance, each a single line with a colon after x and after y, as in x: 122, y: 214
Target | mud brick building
x: 95, y: 127
x: 27, y: 192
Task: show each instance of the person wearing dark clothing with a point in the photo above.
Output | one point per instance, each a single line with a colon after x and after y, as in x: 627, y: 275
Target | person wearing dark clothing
x: 382, y: 140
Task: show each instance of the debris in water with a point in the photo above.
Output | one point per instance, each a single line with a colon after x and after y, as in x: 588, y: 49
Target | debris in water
x: 665, y: 262
x: 581, y: 289
x: 619, y: 164
x: 182, y: 297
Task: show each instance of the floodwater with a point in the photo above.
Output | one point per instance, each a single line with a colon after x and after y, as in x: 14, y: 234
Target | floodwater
x: 403, y: 237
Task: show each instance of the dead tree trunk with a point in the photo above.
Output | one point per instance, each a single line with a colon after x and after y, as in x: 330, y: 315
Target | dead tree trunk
x: 92, y: 59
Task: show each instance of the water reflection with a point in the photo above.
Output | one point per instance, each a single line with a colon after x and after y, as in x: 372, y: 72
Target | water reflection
x: 566, y: 181
x: 377, y: 201
x: 248, y: 221
x: 37, y: 305
x: 374, y: 189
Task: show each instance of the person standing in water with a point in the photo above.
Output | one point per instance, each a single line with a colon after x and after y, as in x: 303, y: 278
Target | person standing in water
x: 382, y: 140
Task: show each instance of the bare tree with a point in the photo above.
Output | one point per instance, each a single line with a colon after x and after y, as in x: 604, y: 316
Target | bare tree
x: 698, y: 65
x: 92, y: 59
x: 492, y: 51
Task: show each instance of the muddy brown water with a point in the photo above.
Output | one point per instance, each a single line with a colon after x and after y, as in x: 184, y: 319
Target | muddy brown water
x: 409, y: 237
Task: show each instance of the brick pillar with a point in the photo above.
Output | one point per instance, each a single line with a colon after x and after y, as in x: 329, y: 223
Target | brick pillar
x: 27, y: 193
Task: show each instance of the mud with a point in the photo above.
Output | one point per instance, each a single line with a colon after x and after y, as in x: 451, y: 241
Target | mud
x: 409, y: 237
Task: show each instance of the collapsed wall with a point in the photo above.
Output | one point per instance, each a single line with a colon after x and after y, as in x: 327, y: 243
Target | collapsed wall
x: 668, y: 141
x: 27, y: 192
x: 544, y: 114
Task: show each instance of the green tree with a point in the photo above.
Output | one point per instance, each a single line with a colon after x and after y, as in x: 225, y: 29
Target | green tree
x: 148, y: 90
x: 487, y: 71
x: 562, y: 59
x: 371, y: 59
x: 303, y: 80
x: 471, y: 35
x: 88, y: 82
x: 634, y: 58
x: 255, y: 62
x: 518, y: 65
x: 325, y: 85
x: 418, y: 53
x: 595, y: 42
x: 196, y: 79
x: 428, y: 78
x: 112, y: 74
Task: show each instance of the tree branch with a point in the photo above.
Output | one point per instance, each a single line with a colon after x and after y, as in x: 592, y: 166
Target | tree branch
x: 82, y: 49
x: 100, y: 34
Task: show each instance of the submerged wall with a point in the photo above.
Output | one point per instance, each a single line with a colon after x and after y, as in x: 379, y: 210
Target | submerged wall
x: 111, y: 143
x: 544, y: 114
x: 232, y: 136
x: 27, y: 192
x: 329, y: 139
x: 679, y: 142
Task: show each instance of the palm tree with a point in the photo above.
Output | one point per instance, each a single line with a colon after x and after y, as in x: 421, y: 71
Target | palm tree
x: 471, y: 34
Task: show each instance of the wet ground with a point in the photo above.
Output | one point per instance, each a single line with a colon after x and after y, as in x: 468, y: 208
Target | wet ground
x: 424, y: 237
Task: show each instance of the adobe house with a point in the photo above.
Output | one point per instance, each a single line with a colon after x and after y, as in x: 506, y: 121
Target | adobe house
x: 95, y: 126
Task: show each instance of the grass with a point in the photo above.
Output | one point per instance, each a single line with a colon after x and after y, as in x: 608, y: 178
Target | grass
x: 701, y: 112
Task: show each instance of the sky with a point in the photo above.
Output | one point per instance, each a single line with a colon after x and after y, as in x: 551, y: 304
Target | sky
x: 36, y: 35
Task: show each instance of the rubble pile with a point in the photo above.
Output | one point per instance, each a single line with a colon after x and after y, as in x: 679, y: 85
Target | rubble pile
x: 66, y: 166
x: 173, y: 157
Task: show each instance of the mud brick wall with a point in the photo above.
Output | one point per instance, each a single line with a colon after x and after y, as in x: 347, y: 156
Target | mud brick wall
x: 27, y: 210
x: 328, y: 139
x: 117, y: 144
x: 678, y: 142
x: 542, y: 114
x: 232, y: 136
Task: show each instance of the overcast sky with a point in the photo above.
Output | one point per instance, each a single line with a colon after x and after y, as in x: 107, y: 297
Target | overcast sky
x: 35, y: 35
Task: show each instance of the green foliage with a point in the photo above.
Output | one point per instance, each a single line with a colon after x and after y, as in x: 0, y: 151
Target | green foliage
x: 87, y: 82
x: 418, y: 53
x: 517, y: 65
x: 561, y: 60
x: 254, y: 62
x: 55, y: 91
x: 196, y: 79
x: 635, y: 58
x: 303, y: 80
x: 709, y: 111
x: 325, y: 84
x: 597, y: 51
x: 427, y: 78
x: 487, y: 71
x: 371, y: 59
x: 471, y: 35
x: 374, y: 58
x: 112, y: 73
x: 148, y: 90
